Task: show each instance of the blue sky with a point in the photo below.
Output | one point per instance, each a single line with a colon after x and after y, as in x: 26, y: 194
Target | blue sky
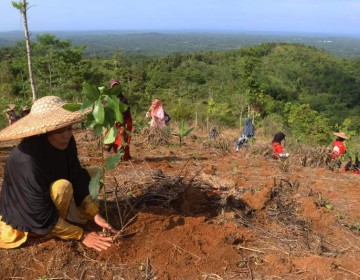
x: 309, y: 16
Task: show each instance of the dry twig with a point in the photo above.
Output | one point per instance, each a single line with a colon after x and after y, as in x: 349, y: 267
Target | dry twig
x: 349, y: 271
x: 176, y: 246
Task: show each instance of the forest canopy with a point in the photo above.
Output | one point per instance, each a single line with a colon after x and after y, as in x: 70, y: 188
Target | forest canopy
x: 305, y: 90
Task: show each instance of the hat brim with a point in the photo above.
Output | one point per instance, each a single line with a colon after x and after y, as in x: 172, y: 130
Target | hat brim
x: 341, y: 135
x: 33, y: 124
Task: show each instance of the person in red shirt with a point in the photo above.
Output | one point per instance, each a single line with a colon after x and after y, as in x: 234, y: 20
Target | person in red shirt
x: 339, y: 148
x: 277, y: 147
x: 123, y: 135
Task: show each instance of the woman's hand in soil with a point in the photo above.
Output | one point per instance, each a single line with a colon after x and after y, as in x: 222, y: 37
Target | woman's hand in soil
x: 100, y: 221
x: 96, y: 241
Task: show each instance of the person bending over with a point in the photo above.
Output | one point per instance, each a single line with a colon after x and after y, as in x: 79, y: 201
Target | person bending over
x: 277, y: 146
x: 247, y: 133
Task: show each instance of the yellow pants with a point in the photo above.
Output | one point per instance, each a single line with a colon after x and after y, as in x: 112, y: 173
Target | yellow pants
x: 61, y: 192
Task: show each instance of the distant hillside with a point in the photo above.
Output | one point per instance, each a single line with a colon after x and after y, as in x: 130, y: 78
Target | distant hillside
x: 103, y: 43
x: 267, y: 76
x: 299, y: 88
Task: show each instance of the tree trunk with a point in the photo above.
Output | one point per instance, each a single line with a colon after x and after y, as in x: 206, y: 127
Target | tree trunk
x: 28, y: 51
x: 22, y: 7
x: 50, y: 77
x: 196, y: 117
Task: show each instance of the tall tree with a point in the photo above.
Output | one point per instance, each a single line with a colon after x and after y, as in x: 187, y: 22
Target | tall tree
x: 59, y: 68
x: 23, y: 7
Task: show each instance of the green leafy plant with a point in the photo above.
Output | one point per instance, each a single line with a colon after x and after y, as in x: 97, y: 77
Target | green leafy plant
x: 329, y: 206
x: 339, y: 215
x: 105, y: 110
x: 183, y: 130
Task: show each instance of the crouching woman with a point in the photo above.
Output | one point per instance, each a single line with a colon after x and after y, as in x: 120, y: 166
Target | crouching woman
x: 277, y: 146
x: 45, y: 190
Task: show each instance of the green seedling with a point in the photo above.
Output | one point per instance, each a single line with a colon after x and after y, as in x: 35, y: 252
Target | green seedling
x: 183, y: 130
x: 104, y: 111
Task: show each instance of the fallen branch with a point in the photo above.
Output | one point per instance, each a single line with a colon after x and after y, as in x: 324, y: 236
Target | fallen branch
x: 183, y: 167
x: 349, y: 271
x: 250, y: 249
x: 196, y: 174
x: 212, y: 276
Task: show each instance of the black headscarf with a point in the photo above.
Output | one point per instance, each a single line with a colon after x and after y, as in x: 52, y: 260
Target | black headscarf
x: 31, y: 167
x: 278, y: 137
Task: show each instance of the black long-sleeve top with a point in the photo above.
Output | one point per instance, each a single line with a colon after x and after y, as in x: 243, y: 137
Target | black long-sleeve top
x: 31, y: 167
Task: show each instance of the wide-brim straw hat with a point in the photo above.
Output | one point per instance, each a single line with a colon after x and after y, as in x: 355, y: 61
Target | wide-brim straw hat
x: 46, y: 114
x: 341, y: 135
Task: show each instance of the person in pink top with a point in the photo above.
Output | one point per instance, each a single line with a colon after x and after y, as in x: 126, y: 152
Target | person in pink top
x: 157, y: 114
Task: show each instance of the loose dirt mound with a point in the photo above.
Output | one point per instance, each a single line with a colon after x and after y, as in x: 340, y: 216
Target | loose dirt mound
x: 202, y: 211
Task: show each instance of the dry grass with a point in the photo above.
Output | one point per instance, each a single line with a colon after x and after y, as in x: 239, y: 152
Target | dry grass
x: 156, y: 136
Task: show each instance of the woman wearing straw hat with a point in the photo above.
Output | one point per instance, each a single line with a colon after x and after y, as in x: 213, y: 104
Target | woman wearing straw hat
x: 45, y: 190
x: 339, y: 148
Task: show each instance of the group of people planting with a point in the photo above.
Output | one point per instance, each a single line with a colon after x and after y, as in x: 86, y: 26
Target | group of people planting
x: 337, y: 153
x: 248, y: 132
x: 45, y: 189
